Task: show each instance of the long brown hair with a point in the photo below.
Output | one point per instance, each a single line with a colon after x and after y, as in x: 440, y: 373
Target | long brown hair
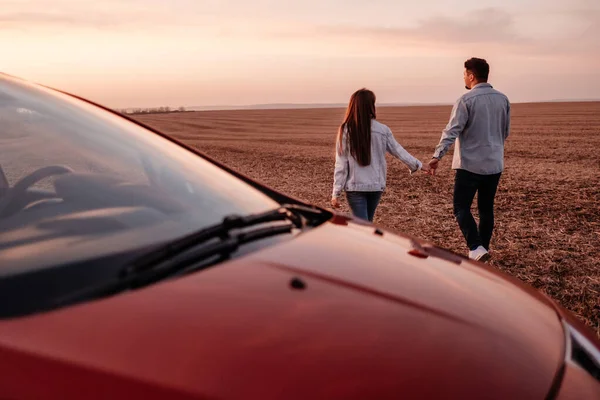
x: 360, y: 111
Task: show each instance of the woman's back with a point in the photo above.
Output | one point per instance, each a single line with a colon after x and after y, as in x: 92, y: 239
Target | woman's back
x: 371, y: 177
x: 379, y: 141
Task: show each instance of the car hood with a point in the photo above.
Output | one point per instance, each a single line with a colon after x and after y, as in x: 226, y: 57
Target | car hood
x: 341, y: 311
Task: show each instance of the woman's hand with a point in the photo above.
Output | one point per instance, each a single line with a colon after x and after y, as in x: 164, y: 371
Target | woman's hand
x: 426, y: 168
x: 335, y: 203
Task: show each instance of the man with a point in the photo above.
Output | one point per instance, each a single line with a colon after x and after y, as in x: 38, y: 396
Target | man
x: 479, y: 123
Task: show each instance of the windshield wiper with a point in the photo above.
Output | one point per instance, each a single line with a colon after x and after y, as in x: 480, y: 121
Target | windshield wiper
x: 299, y: 215
x: 200, y: 249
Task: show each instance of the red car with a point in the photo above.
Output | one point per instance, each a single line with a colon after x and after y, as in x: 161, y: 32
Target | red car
x: 132, y: 266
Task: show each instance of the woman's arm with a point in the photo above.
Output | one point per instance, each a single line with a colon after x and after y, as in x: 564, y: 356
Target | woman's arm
x: 395, y: 149
x: 340, y: 174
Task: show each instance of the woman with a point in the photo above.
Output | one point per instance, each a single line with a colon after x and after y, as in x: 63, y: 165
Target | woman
x: 360, y: 166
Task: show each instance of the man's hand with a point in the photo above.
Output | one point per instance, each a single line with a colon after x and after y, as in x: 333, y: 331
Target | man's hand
x: 335, y: 203
x: 433, y: 164
x: 425, y: 168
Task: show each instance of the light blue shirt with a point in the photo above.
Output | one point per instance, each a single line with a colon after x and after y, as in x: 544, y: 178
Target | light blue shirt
x: 480, y: 124
x: 351, y: 176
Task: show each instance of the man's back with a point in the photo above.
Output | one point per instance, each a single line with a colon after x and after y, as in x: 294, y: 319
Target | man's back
x: 480, y: 146
x: 480, y: 123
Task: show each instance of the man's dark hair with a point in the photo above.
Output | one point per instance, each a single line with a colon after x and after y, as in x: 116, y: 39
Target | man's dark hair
x: 479, y: 67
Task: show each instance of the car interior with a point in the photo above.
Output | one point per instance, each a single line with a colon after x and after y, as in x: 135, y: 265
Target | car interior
x: 108, y: 203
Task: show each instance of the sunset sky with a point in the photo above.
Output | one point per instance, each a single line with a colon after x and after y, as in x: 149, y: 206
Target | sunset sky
x: 144, y: 53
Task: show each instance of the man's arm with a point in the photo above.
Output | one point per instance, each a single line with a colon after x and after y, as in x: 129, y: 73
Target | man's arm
x: 458, y: 121
x: 507, y: 129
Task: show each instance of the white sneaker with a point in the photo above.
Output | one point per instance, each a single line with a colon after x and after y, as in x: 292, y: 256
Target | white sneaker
x: 479, y: 254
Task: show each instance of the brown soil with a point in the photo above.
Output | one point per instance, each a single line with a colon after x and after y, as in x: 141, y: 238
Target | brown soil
x: 547, y: 207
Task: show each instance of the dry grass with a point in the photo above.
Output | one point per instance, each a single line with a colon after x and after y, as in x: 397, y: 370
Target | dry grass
x: 547, y: 208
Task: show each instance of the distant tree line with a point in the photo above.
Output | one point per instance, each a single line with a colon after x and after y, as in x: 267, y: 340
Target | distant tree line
x: 153, y: 110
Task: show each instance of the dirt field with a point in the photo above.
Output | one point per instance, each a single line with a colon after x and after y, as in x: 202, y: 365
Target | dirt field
x: 547, y: 218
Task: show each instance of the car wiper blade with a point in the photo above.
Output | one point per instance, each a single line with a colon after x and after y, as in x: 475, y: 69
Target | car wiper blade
x: 208, y: 251
x: 196, y: 258
x: 222, y: 230
x: 313, y: 215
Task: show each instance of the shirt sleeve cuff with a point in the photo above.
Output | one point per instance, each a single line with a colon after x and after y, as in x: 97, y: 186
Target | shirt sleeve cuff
x: 419, y: 166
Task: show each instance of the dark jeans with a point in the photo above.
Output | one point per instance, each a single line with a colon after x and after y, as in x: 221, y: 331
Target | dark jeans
x: 466, y: 184
x: 363, y: 204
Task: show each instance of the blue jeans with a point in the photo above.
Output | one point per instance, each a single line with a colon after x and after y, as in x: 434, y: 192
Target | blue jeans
x: 363, y: 204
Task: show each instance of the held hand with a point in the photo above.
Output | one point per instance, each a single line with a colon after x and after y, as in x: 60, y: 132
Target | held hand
x: 335, y: 203
x: 426, y: 168
x: 433, y: 164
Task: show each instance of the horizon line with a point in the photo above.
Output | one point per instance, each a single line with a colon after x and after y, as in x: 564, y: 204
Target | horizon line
x: 287, y: 106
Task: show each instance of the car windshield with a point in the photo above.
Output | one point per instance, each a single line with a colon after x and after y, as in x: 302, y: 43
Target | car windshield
x: 78, y: 182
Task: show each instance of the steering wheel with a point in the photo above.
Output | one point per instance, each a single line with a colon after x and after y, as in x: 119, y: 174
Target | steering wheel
x: 16, y: 197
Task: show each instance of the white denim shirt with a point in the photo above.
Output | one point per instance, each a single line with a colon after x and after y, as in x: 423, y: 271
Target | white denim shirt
x: 350, y: 176
x: 480, y: 124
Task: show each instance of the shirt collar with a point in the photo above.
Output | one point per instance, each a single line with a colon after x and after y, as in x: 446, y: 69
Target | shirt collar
x: 482, y: 85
